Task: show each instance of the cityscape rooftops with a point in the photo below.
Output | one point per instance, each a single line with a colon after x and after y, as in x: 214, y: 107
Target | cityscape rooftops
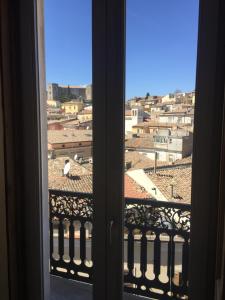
x: 80, y: 179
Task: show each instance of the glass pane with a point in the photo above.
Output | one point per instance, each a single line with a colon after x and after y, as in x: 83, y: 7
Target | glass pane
x: 69, y: 112
x: 160, y: 97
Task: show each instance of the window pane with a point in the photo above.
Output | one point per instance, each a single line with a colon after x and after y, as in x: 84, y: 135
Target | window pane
x: 159, y: 125
x: 69, y: 112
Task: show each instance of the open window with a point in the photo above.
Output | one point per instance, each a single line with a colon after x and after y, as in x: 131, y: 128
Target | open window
x: 23, y: 153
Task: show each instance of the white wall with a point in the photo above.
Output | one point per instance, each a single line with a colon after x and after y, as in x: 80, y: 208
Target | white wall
x: 175, y: 119
x: 163, y: 155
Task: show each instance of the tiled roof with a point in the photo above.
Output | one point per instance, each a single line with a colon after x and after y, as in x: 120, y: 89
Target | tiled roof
x: 139, y: 143
x: 69, y: 136
x: 140, y: 161
x: 178, y: 177
x: 81, y: 184
x: 55, y: 167
x: 128, y: 113
x: 133, y: 190
x: 156, y: 124
x: 80, y: 180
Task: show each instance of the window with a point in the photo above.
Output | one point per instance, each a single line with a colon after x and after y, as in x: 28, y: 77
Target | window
x: 107, y: 152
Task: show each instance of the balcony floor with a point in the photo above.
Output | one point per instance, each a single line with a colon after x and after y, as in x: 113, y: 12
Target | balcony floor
x: 64, y: 289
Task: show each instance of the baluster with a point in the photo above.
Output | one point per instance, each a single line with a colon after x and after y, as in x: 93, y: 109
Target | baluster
x: 61, y: 239
x: 157, y: 255
x: 171, y: 260
x: 92, y: 229
x: 82, y: 243
x: 71, y: 241
x: 143, y: 253
x: 51, y: 238
x: 130, y: 252
x: 185, y: 261
x: 172, y: 257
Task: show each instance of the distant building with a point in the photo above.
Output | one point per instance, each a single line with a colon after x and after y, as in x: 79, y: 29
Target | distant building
x: 53, y: 103
x: 69, y: 143
x: 178, y: 117
x: 177, y: 145
x: 84, y: 115
x: 54, y: 113
x: 165, y: 145
x: 152, y: 127
x: 60, y: 92
x: 133, y: 117
x: 158, y: 108
x: 169, y: 98
x: 89, y: 92
x: 72, y: 107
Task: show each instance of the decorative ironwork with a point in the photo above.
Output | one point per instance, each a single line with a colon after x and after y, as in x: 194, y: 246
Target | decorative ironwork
x: 78, y: 205
x: 157, y: 214
x: 155, y: 228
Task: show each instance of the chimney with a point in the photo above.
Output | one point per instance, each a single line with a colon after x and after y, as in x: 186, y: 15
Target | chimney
x: 172, y: 194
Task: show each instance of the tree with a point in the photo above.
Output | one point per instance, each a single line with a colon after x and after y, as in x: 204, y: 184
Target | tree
x: 68, y: 92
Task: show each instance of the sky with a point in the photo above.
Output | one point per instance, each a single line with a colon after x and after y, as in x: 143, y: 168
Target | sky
x: 161, y: 44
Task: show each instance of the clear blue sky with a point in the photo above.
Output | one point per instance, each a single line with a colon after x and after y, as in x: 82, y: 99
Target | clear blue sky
x: 161, y: 44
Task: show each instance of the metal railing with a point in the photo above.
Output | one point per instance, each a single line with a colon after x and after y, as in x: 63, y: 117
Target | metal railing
x: 156, y: 243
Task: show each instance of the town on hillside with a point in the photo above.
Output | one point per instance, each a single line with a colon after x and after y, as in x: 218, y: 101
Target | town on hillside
x: 158, y: 143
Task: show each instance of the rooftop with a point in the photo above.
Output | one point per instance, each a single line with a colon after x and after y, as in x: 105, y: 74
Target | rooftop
x: 80, y: 179
x: 176, y: 177
x: 156, y: 124
x: 69, y: 136
x: 140, y: 161
x: 180, y: 112
x: 140, y: 142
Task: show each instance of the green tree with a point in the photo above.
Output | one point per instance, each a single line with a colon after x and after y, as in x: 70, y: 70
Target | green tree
x: 147, y: 95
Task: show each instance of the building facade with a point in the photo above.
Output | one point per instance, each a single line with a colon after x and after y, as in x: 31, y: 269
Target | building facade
x: 72, y: 107
x: 58, y: 92
x: 135, y: 117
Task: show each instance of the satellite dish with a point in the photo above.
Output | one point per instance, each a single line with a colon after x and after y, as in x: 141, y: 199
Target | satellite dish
x: 66, y: 168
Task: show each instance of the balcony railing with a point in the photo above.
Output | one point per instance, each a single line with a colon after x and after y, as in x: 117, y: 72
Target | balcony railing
x: 156, y: 243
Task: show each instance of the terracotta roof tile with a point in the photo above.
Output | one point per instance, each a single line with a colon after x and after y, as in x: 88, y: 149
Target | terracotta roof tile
x: 178, y: 177
x: 80, y: 180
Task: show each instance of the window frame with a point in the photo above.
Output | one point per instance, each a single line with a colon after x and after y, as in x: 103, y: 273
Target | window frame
x: 207, y: 143
x: 108, y: 146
